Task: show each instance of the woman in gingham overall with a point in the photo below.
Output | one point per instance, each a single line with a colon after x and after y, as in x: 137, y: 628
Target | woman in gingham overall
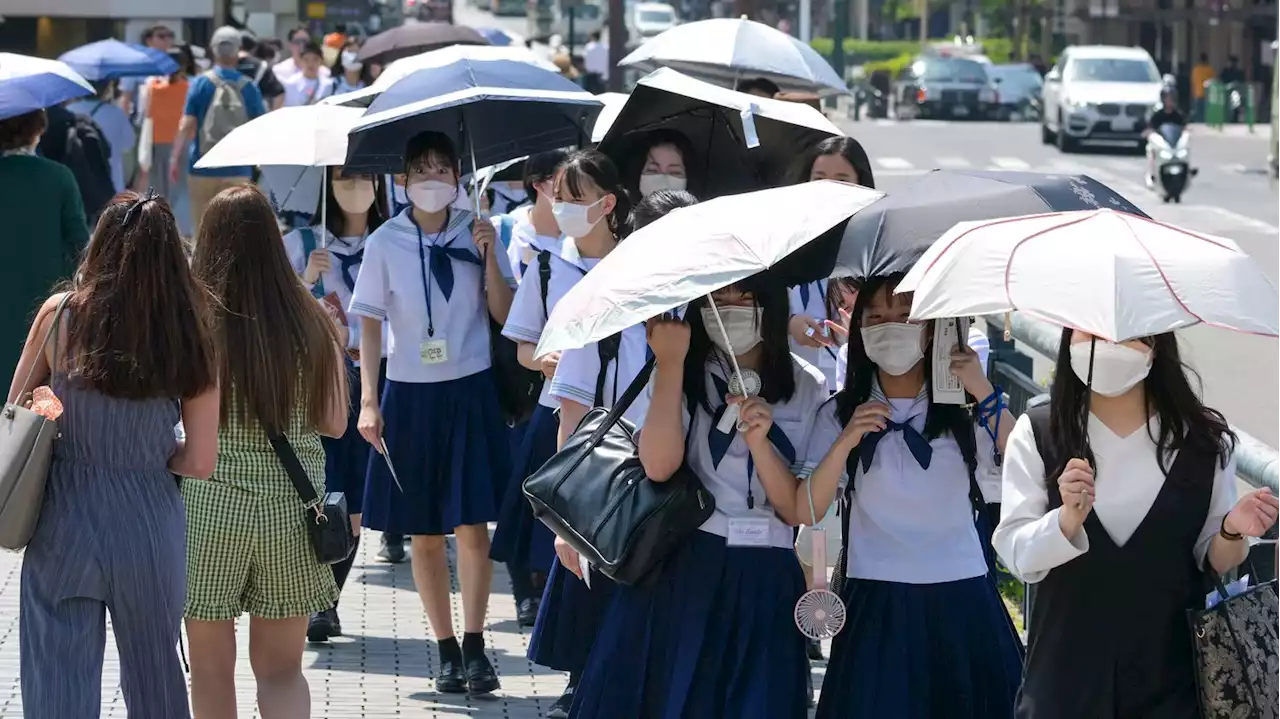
x: 281, y: 370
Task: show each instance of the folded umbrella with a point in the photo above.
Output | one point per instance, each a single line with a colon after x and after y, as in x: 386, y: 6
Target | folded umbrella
x: 307, y: 135
x: 696, y: 250
x: 107, y: 59
x: 29, y: 83
x: 1114, y: 275
x: 754, y: 140
x: 400, y: 69
x: 890, y: 236
x: 725, y: 50
x: 405, y: 40
x: 493, y: 110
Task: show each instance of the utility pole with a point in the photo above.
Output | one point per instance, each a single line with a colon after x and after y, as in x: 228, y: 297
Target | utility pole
x: 806, y: 21
x: 573, y: 6
x: 839, y: 29
x: 617, y: 42
x: 923, y: 7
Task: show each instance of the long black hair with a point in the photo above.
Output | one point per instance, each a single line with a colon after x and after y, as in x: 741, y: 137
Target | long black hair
x: 1184, y: 419
x: 333, y: 216
x: 540, y: 168
x: 846, y: 147
x: 600, y: 170
x: 777, y: 375
x: 860, y: 373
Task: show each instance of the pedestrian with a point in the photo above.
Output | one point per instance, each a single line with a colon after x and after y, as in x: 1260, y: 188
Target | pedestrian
x: 433, y: 275
x: 595, y: 59
x: 531, y: 227
x: 348, y: 72
x: 564, y: 63
x: 661, y: 160
x: 280, y: 373
x: 758, y: 86
x: 219, y: 101
x: 115, y: 125
x: 309, y: 85
x: 1201, y: 74
x: 1125, y: 480
x: 713, y: 633
x: 299, y: 39
x: 156, y: 37
x: 583, y: 380
x: 927, y: 632
x: 162, y: 102
x: 78, y: 143
x: 328, y: 259
x: 259, y: 68
x: 110, y: 534
x: 44, y: 225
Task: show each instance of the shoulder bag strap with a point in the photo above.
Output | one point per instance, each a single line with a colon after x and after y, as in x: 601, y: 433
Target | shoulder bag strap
x: 292, y: 467
x: 544, y: 274
x: 620, y: 406
x: 50, y: 336
x: 607, y: 349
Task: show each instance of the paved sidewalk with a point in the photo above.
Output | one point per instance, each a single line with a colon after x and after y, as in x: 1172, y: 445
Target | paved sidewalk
x: 384, y: 667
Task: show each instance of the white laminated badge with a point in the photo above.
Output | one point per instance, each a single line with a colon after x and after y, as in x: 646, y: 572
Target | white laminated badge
x: 750, y: 137
x: 947, y: 335
x: 585, y: 567
x: 744, y: 532
x: 434, y: 351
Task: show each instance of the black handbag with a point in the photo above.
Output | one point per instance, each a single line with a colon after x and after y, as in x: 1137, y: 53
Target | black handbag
x: 1235, y: 647
x: 328, y: 521
x: 595, y: 496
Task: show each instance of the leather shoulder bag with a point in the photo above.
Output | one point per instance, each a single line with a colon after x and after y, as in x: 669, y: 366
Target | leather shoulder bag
x: 594, y: 494
x: 328, y: 521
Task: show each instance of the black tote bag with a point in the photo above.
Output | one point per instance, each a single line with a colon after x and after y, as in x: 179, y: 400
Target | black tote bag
x: 595, y: 496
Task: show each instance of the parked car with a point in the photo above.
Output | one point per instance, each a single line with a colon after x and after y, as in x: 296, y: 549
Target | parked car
x: 1099, y: 92
x: 507, y: 7
x: 587, y: 18
x: 1017, y: 89
x: 942, y: 86
x: 647, y: 19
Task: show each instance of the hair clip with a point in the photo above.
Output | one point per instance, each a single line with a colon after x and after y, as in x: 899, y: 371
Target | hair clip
x: 138, y: 204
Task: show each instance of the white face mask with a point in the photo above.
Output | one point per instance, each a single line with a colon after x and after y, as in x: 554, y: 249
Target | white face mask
x: 431, y: 195
x: 894, y: 346
x: 572, y: 218
x: 353, y: 195
x: 650, y: 184
x: 1116, y: 368
x: 741, y: 324
x: 349, y: 61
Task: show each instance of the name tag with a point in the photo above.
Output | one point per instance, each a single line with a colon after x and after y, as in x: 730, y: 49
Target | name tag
x: 434, y: 352
x: 749, y: 533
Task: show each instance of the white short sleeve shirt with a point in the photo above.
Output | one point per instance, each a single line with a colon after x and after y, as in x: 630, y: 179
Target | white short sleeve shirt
x: 579, y: 371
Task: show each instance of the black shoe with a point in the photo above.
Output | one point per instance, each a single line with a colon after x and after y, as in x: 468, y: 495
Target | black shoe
x: 808, y: 677
x: 481, y: 678
x: 560, y: 710
x: 451, y: 679
x: 323, y: 626
x: 815, y: 650
x: 527, y: 612
x: 392, y: 552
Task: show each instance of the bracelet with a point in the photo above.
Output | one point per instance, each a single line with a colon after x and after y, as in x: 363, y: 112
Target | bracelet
x: 1229, y: 536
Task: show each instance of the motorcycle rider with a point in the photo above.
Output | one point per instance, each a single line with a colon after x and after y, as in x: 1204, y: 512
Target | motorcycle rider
x: 1168, y: 113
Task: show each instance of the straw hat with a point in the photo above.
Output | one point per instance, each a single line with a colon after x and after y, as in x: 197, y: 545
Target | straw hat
x: 564, y: 64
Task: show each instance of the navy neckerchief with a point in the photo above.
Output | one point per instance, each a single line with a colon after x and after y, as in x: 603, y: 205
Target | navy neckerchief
x: 718, y: 442
x: 916, y: 443
x: 806, y: 288
x: 442, y: 257
x: 348, y: 264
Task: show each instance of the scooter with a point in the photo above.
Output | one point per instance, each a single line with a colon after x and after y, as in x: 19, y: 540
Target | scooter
x: 1170, y: 145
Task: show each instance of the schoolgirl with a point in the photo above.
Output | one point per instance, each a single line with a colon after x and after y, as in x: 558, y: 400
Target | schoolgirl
x: 533, y: 223
x: 712, y: 635
x: 592, y: 376
x: 926, y: 632
x: 433, y: 275
x: 348, y: 72
x: 1117, y: 496
x: 590, y: 208
x: 661, y: 160
x: 812, y: 335
x: 328, y: 259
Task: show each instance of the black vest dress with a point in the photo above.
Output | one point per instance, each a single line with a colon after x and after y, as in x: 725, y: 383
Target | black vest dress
x: 1109, y: 637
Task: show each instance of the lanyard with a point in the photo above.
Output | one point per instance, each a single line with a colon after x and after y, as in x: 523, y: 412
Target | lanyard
x: 426, y: 277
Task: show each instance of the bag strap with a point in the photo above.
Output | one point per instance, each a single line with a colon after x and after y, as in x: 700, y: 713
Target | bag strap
x: 544, y: 275
x: 506, y: 223
x: 607, y: 349
x: 293, y: 467
x: 623, y: 403
x: 50, y: 336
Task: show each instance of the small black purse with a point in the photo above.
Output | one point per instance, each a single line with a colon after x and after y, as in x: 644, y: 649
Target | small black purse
x: 595, y: 496
x: 327, y: 518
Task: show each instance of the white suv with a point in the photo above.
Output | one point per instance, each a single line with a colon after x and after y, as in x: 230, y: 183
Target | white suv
x: 1098, y: 92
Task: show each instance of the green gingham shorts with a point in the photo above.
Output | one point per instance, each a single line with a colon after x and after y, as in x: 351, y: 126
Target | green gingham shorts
x: 250, y: 553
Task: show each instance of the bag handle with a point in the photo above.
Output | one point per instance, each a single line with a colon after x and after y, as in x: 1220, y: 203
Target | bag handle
x: 623, y: 403
x: 293, y: 467
x: 51, y: 335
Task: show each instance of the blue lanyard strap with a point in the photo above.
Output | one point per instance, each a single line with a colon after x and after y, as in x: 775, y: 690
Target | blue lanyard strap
x: 992, y: 406
x: 442, y: 257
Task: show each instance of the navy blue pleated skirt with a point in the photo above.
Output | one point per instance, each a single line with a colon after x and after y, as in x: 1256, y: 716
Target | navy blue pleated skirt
x: 346, y: 459
x: 519, y: 539
x: 712, y: 636
x: 449, y: 444
x: 922, y: 650
x: 568, y: 619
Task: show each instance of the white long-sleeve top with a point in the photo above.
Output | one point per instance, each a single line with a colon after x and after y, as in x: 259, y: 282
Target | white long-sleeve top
x: 1129, y: 478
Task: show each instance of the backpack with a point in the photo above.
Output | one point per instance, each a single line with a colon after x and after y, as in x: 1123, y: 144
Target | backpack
x: 77, y: 142
x: 226, y: 110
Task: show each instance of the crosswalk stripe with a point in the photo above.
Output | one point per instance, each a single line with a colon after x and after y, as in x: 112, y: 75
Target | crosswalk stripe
x: 1010, y: 163
x: 952, y: 162
x: 893, y: 163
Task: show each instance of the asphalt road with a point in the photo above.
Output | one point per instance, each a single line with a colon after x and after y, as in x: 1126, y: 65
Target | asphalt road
x: 1232, y: 197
